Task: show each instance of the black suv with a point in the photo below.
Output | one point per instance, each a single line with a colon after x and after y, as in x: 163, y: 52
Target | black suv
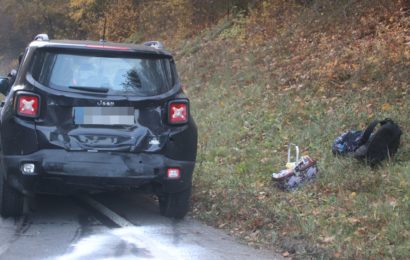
x: 95, y: 116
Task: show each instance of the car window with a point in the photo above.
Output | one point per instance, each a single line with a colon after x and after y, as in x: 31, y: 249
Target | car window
x: 120, y: 75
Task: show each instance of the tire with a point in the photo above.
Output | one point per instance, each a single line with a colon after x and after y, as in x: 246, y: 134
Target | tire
x: 11, y: 200
x: 175, y: 205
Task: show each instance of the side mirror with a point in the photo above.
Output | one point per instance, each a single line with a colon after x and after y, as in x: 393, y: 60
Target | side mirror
x: 4, y: 85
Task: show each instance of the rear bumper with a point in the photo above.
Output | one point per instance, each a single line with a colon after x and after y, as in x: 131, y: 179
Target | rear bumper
x: 59, y: 171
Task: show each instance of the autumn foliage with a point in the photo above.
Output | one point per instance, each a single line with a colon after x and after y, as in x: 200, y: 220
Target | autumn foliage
x: 261, y: 74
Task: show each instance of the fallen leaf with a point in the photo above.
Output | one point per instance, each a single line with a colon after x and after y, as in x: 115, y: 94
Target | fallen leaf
x: 393, y: 202
x: 222, y: 225
x: 361, y: 231
x: 353, y: 220
x: 386, y: 107
x: 328, y: 239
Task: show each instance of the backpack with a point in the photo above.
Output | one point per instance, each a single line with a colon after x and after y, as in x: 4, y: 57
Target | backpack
x: 368, y: 146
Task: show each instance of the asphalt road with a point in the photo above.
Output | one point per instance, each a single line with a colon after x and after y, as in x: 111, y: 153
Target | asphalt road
x: 113, y: 226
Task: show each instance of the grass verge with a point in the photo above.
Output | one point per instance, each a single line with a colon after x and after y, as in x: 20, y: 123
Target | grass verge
x: 249, y: 103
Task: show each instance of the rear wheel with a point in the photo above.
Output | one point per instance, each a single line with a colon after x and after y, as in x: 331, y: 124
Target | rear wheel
x: 11, y: 200
x: 175, y: 205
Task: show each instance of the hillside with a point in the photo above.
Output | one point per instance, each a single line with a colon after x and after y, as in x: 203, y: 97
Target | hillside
x: 264, y: 80
x: 261, y: 74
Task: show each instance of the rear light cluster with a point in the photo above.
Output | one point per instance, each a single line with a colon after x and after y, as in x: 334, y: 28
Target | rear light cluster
x: 178, y: 112
x: 174, y: 173
x: 27, y: 105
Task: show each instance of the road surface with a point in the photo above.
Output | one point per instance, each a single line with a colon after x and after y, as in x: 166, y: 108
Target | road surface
x: 113, y: 226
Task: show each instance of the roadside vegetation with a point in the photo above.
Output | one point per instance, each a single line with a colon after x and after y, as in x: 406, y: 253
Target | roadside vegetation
x: 302, y: 74
x: 268, y: 73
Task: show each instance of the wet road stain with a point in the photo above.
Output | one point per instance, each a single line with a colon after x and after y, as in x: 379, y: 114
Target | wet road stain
x: 176, y: 232
x: 23, y: 224
x: 116, y: 243
x: 125, y: 248
x: 86, y: 222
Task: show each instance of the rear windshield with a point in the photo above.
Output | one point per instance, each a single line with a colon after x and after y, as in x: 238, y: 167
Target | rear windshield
x: 112, y: 74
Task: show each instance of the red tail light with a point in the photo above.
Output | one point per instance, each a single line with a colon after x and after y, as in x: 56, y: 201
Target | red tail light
x: 178, y: 112
x: 174, y: 173
x: 28, y: 105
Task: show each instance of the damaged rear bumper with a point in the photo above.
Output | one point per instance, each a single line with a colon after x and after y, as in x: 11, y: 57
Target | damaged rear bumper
x: 60, y: 171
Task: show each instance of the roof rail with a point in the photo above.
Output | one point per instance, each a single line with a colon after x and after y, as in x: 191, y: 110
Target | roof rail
x: 41, y: 37
x: 154, y: 44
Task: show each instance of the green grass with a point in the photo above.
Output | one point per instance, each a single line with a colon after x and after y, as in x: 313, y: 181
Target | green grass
x: 246, y: 116
x: 243, y: 140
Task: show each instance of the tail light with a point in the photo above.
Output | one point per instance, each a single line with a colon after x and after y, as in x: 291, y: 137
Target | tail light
x: 27, y: 104
x: 174, y: 173
x: 178, y: 112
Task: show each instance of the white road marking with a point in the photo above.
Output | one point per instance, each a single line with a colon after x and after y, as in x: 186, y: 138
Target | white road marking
x: 114, y: 217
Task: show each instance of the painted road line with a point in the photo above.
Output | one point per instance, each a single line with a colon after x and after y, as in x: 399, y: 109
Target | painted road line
x: 140, y: 245
x: 111, y: 215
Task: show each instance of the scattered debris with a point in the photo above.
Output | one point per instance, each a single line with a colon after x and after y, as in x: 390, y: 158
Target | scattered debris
x: 296, y: 173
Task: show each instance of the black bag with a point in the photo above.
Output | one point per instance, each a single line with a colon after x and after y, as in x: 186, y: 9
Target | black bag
x: 376, y: 147
x: 347, y: 143
x: 368, y: 146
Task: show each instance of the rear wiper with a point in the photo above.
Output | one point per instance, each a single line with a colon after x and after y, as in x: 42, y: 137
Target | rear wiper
x: 91, y: 89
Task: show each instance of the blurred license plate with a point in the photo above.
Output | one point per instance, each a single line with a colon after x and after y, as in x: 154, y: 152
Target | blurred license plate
x: 104, y: 115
